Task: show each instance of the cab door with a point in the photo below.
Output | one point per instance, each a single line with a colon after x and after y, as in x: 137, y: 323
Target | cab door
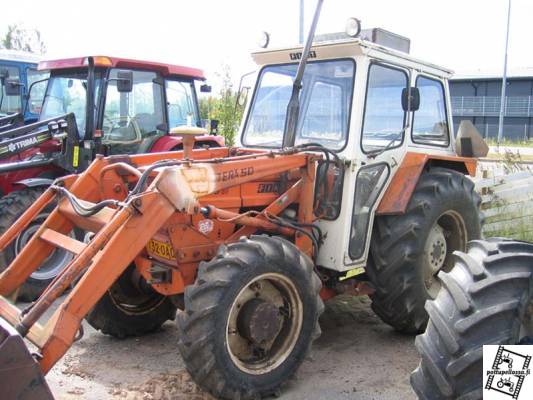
x: 385, y: 128
x: 381, y: 140
x: 133, y: 120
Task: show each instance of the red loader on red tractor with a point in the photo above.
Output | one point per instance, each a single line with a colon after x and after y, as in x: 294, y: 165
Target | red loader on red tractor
x: 121, y: 106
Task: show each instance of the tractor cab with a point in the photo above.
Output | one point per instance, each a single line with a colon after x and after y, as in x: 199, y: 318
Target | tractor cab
x: 136, y: 103
x: 18, y: 72
x: 380, y: 110
x: 121, y: 106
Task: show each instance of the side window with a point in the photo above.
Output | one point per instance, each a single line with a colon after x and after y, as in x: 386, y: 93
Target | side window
x: 430, y: 125
x: 37, y: 91
x: 131, y: 117
x: 180, y: 103
x: 10, y: 104
x: 384, y: 118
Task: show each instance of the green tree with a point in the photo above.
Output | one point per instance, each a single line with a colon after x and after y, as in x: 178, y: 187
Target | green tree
x: 19, y: 38
x: 223, y: 107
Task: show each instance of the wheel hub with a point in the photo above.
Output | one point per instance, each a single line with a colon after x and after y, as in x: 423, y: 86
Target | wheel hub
x: 263, y: 324
x: 436, y: 248
x: 260, y: 321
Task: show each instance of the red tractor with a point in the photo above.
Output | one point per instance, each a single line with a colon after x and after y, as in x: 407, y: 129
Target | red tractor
x: 121, y: 106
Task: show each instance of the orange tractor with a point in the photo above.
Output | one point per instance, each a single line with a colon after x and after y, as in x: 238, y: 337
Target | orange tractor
x: 327, y: 194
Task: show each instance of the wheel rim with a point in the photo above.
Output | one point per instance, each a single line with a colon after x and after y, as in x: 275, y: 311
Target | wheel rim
x: 447, y: 235
x: 132, y: 294
x: 264, y: 323
x: 54, y: 263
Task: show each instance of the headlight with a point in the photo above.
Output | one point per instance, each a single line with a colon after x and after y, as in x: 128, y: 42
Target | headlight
x: 264, y: 39
x: 353, y: 27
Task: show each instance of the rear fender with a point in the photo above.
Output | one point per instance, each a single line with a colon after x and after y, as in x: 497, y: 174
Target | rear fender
x: 403, y: 183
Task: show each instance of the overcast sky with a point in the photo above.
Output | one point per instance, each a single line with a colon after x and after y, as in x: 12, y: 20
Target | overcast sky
x: 463, y: 35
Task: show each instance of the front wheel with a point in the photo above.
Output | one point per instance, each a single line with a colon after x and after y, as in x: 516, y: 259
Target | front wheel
x: 131, y: 307
x: 250, y: 318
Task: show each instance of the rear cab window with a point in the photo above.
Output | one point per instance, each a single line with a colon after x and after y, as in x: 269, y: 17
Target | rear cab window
x: 430, y: 121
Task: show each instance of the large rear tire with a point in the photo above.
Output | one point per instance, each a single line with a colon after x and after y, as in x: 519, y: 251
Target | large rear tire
x: 484, y: 300
x: 12, y: 206
x: 408, y: 250
x: 130, y: 307
x: 250, y: 318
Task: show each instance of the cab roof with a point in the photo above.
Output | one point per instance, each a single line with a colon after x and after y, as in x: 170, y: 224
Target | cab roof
x: 19, y: 56
x: 346, y: 48
x: 117, y: 62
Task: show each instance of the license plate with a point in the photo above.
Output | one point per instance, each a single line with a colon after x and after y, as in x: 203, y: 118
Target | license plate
x: 161, y: 249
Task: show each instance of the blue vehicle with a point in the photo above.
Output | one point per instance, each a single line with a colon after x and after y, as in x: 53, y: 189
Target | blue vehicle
x: 18, y: 73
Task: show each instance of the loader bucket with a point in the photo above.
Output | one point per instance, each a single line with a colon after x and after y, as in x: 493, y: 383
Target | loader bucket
x: 20, y: 375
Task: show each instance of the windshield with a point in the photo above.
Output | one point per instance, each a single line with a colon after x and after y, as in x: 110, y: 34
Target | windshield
x: 325, y: 102
x: 38, y: 90
x: 67, y: 93
x: 10, y: 104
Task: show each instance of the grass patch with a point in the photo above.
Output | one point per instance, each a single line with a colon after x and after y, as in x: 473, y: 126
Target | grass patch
x: 497, y: 156
x: 512, y: 234
x: 507, y: 142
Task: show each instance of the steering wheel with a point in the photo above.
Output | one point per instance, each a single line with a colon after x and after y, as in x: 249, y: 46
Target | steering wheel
x: 111, y: 135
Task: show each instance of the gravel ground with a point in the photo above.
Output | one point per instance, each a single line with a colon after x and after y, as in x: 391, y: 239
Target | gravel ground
x: 357, y: 357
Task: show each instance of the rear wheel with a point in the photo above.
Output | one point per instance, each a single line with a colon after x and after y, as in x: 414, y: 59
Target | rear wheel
x: 486, y: 298
x: 250, y: 318
x: 130, y: 307
x: 409, y: 250
x: 12, y: 206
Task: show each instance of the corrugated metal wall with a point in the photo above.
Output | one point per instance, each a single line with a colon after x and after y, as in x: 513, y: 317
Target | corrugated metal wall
x: 518, y: 122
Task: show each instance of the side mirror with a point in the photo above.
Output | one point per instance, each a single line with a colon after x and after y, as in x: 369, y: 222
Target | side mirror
x: 124, y: 81
x: 4, y: 74
x: 205, y: 88
x: 243, y: 96
x: 12, y: 87
x: 213, y: 127
x: 410, y: 99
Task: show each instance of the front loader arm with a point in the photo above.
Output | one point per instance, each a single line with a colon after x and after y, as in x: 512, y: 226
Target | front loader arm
x: 120, y: 241
x: 125, y: 226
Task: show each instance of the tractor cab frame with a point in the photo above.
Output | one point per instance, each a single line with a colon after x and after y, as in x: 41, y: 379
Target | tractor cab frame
x: 385, y: 114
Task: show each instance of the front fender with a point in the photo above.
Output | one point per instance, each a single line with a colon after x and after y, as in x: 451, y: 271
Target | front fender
x: 34, y: 182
